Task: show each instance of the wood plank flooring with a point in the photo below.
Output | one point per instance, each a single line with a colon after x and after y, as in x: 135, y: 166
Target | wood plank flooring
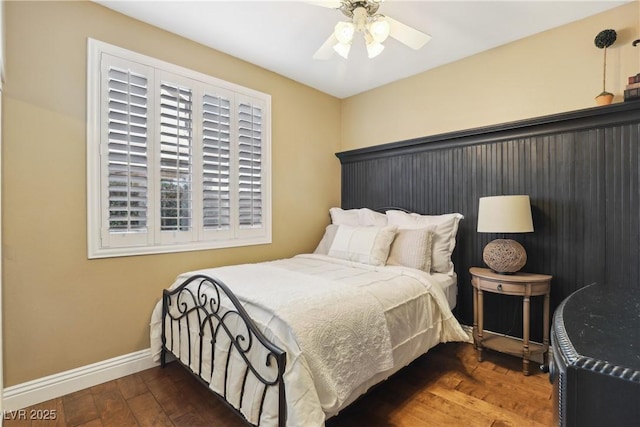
x: 445, y: 387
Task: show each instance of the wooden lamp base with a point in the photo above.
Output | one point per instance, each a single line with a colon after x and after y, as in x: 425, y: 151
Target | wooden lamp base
x: 504, y: 256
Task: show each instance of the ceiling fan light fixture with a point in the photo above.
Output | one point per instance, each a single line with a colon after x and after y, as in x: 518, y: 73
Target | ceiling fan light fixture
x: 342, y: 49
x: 379, y: 29
x: 376, y: 29
x: 344, y: 32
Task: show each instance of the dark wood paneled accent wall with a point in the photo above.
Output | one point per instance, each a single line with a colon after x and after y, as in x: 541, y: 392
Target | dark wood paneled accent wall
x: 580, y: 170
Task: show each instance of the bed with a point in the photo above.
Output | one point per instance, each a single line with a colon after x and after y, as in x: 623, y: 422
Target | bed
x: 294, y: 341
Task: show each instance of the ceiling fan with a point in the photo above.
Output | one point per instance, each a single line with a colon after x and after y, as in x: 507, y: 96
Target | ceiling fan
x: 374, y: 27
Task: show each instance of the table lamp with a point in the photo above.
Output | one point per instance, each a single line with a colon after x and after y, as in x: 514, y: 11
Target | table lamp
x: 504, y: 214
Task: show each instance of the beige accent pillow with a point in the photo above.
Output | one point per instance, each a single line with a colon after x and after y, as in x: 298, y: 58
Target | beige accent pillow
x: 367, y: 245
x: 444, y: 235
x: 412, y: 248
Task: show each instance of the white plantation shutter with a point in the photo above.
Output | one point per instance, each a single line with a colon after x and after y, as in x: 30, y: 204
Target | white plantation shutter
x: 176, y: 157
x: 216, y: 158
x: 250, y: 164
x: 176, y: 160
x: 127, y: 161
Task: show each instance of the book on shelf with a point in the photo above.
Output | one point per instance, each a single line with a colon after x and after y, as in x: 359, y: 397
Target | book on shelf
x: 632, y: 94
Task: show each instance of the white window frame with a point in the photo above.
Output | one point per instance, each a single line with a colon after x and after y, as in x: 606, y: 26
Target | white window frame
x: 101, y: 242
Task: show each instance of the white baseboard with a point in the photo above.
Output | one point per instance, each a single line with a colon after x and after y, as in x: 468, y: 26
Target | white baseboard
x: 40, y: 390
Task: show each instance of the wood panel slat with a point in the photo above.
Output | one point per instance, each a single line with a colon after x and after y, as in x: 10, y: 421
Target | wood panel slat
x: 79, y: 408
x: 148, y: 411
x: 112, y: 406
x: 580, y: 169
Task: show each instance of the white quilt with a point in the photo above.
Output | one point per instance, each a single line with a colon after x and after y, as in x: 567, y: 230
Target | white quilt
x: 341, y: 324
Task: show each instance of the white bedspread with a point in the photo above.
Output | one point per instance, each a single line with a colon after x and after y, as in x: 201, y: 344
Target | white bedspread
x: 341, y: 323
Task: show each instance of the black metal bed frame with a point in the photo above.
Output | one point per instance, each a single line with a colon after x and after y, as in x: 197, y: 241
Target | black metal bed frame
x: 213, y: 317
x: 209, y: 312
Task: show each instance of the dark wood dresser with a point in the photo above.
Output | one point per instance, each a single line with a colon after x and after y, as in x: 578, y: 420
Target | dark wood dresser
x: 595, y: 363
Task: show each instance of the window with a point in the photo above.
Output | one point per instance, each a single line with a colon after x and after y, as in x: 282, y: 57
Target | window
x: 176, y: 160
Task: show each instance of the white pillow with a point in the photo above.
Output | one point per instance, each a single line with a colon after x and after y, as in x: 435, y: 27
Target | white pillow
x: 345, y: 217
x: 371, y: 217
x: 367, y: 245
x: 412, y: 248
x: 327, y: 239
x: 444, y: 235
x: 357, y: 217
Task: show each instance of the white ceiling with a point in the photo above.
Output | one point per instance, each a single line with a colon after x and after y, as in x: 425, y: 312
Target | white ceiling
x: 282, y: 36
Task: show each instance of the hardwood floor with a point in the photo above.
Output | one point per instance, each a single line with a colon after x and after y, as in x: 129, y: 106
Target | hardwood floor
x: 445, y: 387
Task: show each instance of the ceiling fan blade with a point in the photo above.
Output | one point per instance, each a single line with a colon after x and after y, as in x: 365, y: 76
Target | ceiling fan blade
x: 405, y: 34
x: 332, y: 4
x: 326, y: 50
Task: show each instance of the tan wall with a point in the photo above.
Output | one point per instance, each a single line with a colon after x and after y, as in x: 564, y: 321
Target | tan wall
x: 555, y: 71
x: 62, y: 311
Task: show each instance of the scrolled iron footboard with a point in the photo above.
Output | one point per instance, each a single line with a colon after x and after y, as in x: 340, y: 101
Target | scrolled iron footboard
x: 205, y: 307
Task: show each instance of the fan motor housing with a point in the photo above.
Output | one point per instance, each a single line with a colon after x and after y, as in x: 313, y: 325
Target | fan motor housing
x: 348, y: 6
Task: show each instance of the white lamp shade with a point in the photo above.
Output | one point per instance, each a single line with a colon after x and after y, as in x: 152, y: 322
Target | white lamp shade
x: 379, y: 29
x: 505, y: 214
x: 344, y: 32
x: 342, y: 49
x: 374, y: 49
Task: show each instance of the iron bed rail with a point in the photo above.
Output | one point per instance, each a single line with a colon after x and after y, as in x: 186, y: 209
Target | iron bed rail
x: 182, y: 305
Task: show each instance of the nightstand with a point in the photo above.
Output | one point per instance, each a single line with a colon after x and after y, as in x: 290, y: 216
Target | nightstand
x: 525, y: 285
